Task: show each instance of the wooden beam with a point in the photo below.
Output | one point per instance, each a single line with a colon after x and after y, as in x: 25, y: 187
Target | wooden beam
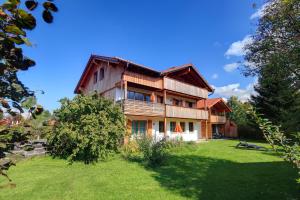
x: 125, y: 89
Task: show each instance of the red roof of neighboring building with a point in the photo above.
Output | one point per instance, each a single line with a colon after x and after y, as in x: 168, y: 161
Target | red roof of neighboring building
x: 212, y: 102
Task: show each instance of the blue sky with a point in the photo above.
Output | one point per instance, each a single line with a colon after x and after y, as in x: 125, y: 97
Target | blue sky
x: 155, y: 33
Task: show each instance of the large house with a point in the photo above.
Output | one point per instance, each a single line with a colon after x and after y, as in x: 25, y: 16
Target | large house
x: 155, y: 103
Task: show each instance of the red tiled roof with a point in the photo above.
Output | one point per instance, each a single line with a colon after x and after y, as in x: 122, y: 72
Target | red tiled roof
x: 211, y: 102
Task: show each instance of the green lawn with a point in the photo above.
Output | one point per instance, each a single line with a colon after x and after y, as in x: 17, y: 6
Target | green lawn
x: 213, y: 170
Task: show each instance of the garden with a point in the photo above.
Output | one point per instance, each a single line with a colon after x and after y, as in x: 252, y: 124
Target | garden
x: 208, y: 170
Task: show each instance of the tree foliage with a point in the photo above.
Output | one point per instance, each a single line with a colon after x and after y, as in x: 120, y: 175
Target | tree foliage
x: 88, y: 128
x: 278, y: 139
x: 15, y: 22
x: 246, y: 127
x: 277, y: 99
x: 274, y: 56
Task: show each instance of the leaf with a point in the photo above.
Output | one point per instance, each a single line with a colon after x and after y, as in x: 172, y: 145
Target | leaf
x: 26, y: 41
x: 14, y: 30
x: 18, y: 40
x: 26, y: 20
x: 47, y: 16
x: 31, y: 5
x: 50, y: 6
x: 11, y: 5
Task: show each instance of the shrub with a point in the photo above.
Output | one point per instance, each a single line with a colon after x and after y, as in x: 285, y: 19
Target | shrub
x: 130, y: 149
x: 154, y: 153
x: 88, y: 128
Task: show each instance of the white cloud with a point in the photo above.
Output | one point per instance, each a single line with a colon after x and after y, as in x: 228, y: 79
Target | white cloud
x: 215, y: 76
x: 260, y: 11
x: 231, y: 67
x: 237, y: 48
x: 243, y: 94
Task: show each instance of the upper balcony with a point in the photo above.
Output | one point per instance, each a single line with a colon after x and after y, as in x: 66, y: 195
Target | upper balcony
x: 184, y: 88
x: 136, y: 107
x: 217, y: 119
x: 143, y: 79
x: 183, y: 112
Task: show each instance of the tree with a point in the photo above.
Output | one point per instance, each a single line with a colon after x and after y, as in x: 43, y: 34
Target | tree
x: 246, y: 127
x: 13, y: 26
x: 88, y: 129
x: 278, y: 139
x: 274, y: 56
x: 15, y: 22
x: 276, y: 99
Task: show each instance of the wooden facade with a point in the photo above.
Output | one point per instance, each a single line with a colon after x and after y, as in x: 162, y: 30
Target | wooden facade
x: 186, y: 113
x: 134, y: 107
x: 153, y: 102
x: 177, y: 86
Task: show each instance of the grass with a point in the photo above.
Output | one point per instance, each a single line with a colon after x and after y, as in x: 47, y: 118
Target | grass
x: 213, y: 170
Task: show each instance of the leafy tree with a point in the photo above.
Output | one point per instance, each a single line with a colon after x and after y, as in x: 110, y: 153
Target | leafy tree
x: 88, y: 129
x: 15, y: 22
x: 276, y: 99
x: 278, y: 139
x: 246, y: 127
x: 274, y: 57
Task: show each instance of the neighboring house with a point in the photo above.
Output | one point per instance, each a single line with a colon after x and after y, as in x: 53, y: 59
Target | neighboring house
x: 155, y: 103
x: 217, y: 123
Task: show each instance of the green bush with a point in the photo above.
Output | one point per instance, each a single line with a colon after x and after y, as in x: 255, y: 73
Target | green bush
x: 154, y: 153
x: 130, y: 149
x: 88, y: 129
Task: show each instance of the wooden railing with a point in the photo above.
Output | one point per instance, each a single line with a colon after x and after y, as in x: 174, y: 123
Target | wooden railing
x: 143, y: 80
x: 188, y: 113
x: 217, y: 119
x: 135, y: 107
x: 177, y: 86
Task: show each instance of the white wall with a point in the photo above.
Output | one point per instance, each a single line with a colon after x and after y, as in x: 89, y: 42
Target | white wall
x: 186, y: 136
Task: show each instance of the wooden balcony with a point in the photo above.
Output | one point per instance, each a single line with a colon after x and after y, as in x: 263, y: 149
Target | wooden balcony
x: 177, y: 86
x: 135, y: 107
x: 143, y: 80
x: 217, y: 119
x: 188, y: 113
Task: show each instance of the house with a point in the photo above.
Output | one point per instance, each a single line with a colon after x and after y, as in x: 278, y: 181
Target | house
x: 217, y: 124
x: 155, y: 103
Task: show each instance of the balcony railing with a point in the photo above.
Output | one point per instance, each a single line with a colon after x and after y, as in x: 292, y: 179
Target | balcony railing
x: 188, y: 113
x: 143, y: 80
x: 217, y: 119
x: 135, y: 107
x: 177, y: 86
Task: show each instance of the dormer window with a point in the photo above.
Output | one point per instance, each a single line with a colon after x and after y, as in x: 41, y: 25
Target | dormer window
x: 95, y: 77
x: 101, y: 74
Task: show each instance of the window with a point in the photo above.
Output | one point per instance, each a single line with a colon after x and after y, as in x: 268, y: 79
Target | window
x: 138, y: 127
x: 147, y: 98
x: 160, y: 99
x: 177, y: 102
x: 191, y: 127
x: 161, y: 127
x: 190, y: 104
x: 130, y: 95
x: 138, y: 96
x: 182, y: 125
x: 101, y: 74
x: 172, y: 126
x: 95, y: 77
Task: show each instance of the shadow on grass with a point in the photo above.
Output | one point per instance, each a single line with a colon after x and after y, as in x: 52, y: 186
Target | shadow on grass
x: 199, y: 177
